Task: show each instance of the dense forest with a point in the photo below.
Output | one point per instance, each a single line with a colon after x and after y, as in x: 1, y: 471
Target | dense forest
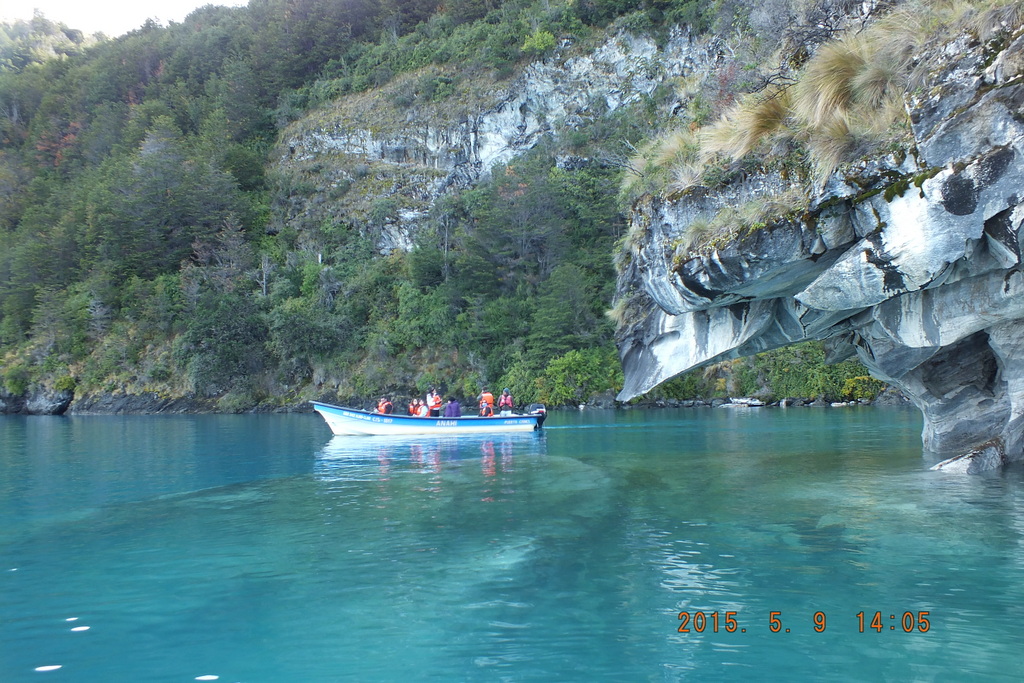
x: 145, y: 239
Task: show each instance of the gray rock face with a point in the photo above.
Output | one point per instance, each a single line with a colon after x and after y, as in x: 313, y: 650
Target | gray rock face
x: 37, y: 401
x: 147, y: 403
x: 513, y: 119
x: 431, y: 156
x: 913, y: 264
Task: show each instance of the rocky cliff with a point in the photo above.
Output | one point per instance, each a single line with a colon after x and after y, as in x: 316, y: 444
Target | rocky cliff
x: 912, y: 262
x: 401, y: 149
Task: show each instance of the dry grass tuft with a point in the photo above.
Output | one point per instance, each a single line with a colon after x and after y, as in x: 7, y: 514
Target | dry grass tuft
x: 685, y: 176
x: 753, y: 120
x: 827, y: 83
x: 849, y: 96
x: 634, y: 238
x: 830, y: 144
x: 992, y: 21
x: 697, y: 233
x: 654, y: 165
x: 680, y: 147
x: 617, y: 313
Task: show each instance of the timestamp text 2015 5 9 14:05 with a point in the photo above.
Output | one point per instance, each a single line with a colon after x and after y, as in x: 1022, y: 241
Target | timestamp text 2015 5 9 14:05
x: 728, y: 622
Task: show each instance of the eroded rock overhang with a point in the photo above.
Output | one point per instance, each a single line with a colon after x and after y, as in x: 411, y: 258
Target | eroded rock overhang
x: 912, y: 262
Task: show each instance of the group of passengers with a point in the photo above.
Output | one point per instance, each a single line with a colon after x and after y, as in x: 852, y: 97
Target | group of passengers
x: 486, y: 403
x: 431, y: 405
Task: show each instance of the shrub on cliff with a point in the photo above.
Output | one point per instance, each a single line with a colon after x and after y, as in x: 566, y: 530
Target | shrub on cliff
x: 572, y: 378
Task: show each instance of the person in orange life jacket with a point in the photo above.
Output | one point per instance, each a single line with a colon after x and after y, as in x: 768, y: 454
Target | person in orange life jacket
x: 434, y: 403
x: 486, y: 399
x: 422, y: 410
x: 414, y: 406
x: 486, y: 396
x: 505, y: 402
x: 384, y: 405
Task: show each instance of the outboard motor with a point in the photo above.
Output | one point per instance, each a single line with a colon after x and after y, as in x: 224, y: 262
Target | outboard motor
x: 537, y: 409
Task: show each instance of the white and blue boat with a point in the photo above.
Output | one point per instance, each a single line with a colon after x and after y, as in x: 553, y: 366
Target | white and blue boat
x: 350, y: 421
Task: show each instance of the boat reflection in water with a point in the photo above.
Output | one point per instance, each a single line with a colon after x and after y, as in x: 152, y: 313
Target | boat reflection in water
x: 347, y: 458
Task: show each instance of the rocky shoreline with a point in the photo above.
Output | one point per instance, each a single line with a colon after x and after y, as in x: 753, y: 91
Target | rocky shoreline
x: 889, y: 397
x: 48, y: 402
x: 38, y: 402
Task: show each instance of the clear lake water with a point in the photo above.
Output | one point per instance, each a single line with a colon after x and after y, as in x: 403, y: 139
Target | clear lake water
x: 260, y: 548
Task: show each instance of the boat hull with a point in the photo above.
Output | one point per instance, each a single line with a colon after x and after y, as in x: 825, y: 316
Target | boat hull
x: 347, y: 421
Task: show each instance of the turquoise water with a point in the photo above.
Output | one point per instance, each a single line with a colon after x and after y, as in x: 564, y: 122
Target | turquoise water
x: 260, y: 548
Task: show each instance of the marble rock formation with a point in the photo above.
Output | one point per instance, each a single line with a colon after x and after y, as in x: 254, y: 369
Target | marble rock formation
x: 912, y: 262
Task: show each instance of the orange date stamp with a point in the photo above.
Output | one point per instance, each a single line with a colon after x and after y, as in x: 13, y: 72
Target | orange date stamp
x: 729, y: 622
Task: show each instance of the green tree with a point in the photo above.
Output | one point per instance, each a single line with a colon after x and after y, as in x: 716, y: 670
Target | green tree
x: 222, y: 347
x: 563, y: 319
x: 301, y: 334
x: 149, y: 208
x: 463, y: 11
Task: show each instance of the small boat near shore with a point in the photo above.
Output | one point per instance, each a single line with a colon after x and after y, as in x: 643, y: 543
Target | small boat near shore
x: 351, y: 421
